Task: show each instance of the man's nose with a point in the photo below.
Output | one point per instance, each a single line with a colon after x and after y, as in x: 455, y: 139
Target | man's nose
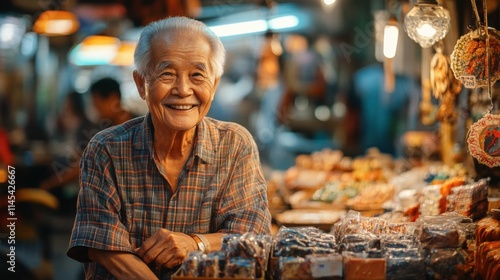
x: 183, y: 86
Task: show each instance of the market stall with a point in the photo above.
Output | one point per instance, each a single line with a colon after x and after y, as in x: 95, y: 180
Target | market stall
x: 433, y: 214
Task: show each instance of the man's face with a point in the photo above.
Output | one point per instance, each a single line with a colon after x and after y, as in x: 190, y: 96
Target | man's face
x: 181, y: 84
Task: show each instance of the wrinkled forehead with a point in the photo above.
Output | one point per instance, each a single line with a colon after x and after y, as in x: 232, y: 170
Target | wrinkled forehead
x: 171, y: 44
x: 181, y: 37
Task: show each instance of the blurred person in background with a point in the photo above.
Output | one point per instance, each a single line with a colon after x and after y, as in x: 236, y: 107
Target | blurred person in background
x: 107, y: 100
x: 304, y: 83
x: 71, y: 135
x: 157, y: 187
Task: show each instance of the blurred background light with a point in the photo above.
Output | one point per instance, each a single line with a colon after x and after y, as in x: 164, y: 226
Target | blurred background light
x: 56, y: 23
x: 12, y: 30
x: 240, y: 28
x: 255, y: 26
x: 391, y: 34
x: 95, y: 50
x: 283, y: 22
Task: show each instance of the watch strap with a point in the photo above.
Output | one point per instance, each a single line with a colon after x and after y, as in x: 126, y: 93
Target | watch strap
x: 201, y: 245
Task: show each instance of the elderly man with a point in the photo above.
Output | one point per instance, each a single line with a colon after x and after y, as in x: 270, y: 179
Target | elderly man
x: 174, y: 181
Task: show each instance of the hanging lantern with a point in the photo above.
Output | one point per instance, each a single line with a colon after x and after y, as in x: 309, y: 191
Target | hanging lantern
x: 427, y: 22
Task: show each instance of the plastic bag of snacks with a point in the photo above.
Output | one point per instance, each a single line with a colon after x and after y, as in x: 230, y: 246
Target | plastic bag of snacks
x: 248, y: 246
x: 241, y: 256
x: 437, y: 232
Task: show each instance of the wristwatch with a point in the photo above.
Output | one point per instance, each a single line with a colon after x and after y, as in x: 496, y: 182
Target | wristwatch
x: 201, y: 245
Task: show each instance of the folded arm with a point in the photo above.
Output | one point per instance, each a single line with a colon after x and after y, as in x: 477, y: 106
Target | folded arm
x: 123, y: 265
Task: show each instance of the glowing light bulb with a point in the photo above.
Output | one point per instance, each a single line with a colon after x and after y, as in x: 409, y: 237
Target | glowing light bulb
x: 391, y: 34
x: 427, y: 22
x: 426, y: 30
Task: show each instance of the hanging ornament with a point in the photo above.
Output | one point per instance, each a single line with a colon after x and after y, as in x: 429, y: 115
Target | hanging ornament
x: 427, y: 22
x: 484, y: 51
x: 444, y: 85
x: 442, y: 79
x: 484, y: 140
x: 468, y: 59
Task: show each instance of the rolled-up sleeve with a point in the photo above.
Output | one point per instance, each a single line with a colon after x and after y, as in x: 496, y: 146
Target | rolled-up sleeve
x: 97, y: 224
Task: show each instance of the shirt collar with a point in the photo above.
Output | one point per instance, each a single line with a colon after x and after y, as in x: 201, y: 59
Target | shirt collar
x: 206, y: 138
x: 204, y: 148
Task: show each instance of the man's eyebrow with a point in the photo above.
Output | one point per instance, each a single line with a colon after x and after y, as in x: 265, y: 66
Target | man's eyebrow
x: 164, y: 64
x: 200, y: 65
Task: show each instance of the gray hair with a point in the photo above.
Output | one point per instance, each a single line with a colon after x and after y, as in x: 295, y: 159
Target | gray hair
x: 142, y: 53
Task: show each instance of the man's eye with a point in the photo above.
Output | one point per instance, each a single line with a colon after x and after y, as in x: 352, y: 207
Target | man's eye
x: 198, y: 75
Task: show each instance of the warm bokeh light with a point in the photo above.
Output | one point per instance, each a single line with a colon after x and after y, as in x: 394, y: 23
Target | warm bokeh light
x: 56, y: 23
x: 391, y: 34
x: 125, y: 54
x: 95, y: 50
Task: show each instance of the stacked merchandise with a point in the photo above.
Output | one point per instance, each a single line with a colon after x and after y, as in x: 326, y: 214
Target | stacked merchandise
x: 454, y: 195
x: 488, y: 249
x: 446, y: 242
x: 470, y: 200
x: 437, y: 196
x: 374, y: 248
x: 360, y: 247
x: 305, y: 253
x: 431, y: 248
x: 242, y: 256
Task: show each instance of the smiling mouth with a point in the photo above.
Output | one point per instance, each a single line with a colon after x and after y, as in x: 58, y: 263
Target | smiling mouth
x: 180, y: 107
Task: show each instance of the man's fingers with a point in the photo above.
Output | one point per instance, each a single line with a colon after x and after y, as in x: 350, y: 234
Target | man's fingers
x: 158, y: 256
x: 147, y: 247
x: 165, y: 248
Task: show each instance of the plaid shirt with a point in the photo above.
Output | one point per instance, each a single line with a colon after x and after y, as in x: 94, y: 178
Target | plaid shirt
x: 124, y: 199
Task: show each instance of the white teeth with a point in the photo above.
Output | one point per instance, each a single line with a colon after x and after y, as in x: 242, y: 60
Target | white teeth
x: 181, y: 107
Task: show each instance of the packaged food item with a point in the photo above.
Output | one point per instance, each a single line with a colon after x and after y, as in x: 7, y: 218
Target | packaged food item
x: 436, y: 232
x: 302, y: 241
x: 443, y: 263
x: 189, y: 267
x: 294, y: 268
x: 358, y: 267
x: 239, y: 267
x: 249, y: 246
x: 326, y: 266
x: 470, y: 200
x: 241, y: 256
x: 211, y: 265
x: 405, y: 263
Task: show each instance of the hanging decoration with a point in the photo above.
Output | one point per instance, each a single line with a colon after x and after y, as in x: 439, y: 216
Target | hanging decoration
x: 427, y: 23
x: 484, y: 135
x: 469, y: 58
x: 444, y: 85
x: 484, y: 140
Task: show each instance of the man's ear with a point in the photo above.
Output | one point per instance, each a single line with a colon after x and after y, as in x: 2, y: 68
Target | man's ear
x: 140, y: 83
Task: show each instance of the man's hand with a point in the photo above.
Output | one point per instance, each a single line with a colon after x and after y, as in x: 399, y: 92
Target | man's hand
x: 166, y: 248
